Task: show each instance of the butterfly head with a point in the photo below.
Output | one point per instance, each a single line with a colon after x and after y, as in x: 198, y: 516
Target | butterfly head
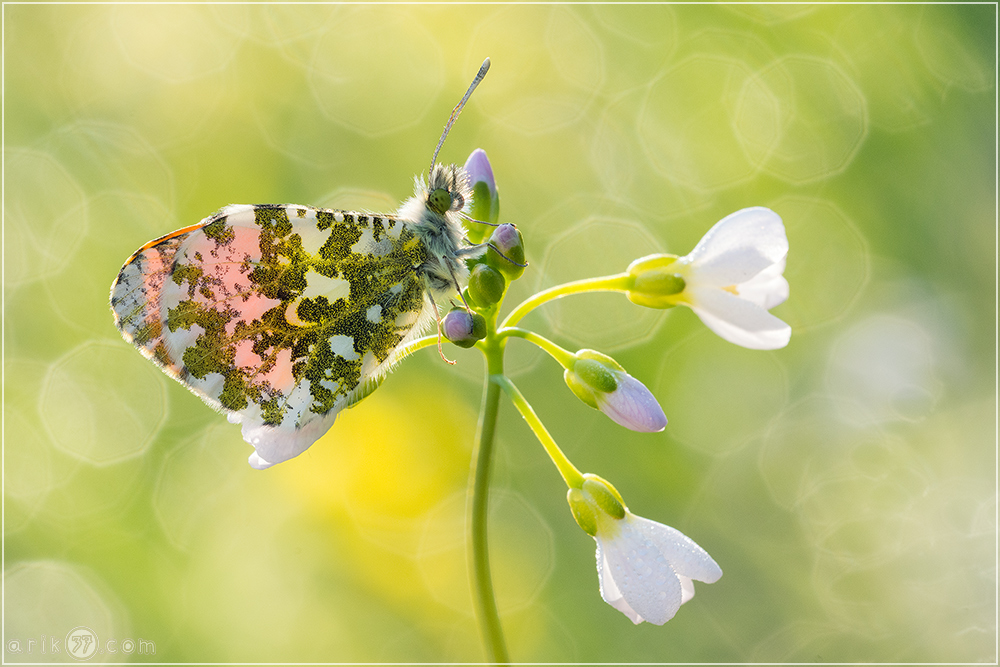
x: 448, y: 189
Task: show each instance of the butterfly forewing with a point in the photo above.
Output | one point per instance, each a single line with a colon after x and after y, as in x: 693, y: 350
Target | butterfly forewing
x: 277, y: 314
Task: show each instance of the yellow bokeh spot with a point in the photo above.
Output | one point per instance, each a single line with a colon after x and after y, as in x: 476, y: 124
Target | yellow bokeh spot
x: 389, y: 459
x: 377, y: 474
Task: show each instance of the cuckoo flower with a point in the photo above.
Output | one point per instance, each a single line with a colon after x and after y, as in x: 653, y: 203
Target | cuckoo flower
x: 730, y: 280
x: 645, y: 568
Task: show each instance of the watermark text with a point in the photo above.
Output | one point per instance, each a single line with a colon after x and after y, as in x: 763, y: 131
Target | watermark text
x: 80, y: 643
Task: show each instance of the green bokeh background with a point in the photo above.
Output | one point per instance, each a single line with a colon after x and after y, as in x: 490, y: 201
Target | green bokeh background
x: 845, y: 484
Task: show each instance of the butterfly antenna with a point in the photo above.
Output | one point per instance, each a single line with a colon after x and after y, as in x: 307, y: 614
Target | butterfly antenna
x: 458, y: 109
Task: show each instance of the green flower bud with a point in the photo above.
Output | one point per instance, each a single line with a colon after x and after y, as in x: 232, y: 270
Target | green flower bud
x: 656, y: 283
x: 579, y: 388
x: 485, y: 203
x: 604, y: 495
x: 467, y: 297
x: 596, y: 375
x: 594, y: 355
x: 583, y: 511
x: 486, y: 285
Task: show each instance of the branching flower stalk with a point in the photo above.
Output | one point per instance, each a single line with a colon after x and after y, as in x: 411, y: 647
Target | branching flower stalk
x: 731, y: 279
x: 283, y: 356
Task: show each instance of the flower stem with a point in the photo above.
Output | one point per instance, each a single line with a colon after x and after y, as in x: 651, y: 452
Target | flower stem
x: 484, y: 598
x: 563, y: 356
x: 572, y: 476
x: 477, y: 509
x: 617, y: 283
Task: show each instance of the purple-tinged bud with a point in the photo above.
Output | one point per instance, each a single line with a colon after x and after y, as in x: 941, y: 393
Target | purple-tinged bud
x: 507, y: 251
x: 463, y: 328
x: 480, y: 171
x: 505, y: 237
x: 485, y: 200
x: 633, y: 406
x: 600, y: 382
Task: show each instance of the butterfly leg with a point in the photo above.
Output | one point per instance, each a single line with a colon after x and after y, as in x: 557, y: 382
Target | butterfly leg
x: 437, y: 317
x: 474, y: 250
x: 460, y: 295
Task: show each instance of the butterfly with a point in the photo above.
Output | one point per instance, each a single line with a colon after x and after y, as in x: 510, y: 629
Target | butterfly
x: 281, y: 316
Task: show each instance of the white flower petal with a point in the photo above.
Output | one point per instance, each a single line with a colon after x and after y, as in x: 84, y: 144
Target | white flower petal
x: 640, y: 572
x: 737, y: 248
x: 609, y: 590
x: 686, y: 558
x: 767, y: 289
x: 687, y: 589
x: 738, y: 320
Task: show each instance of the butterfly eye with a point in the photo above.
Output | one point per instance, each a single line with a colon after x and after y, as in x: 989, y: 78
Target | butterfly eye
x: 439, y: 201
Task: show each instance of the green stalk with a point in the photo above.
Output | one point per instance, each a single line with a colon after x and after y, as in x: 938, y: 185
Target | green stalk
x: 621, y: 282
x: 563, y: 356
x: 569, y: 472
x: 484, y: 598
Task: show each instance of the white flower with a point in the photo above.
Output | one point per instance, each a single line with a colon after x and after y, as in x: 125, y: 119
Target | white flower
x: 645, y: 568
x: 730, y: 280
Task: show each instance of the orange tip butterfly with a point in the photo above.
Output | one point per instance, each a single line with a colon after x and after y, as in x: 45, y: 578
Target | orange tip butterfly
x: 280, y: 316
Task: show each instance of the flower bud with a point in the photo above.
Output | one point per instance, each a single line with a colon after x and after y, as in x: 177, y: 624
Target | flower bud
x: 485, y: 200
x: 604, y: 495
x: 600, y: 382
x: 506, y: 251
x: 463, y: 328
x: 656, y: 283
x: 583, y: 511
x: 486, y: 285
x: 595, y: 503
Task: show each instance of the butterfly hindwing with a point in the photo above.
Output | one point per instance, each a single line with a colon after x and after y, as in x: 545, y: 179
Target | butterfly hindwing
x: 279, y: 315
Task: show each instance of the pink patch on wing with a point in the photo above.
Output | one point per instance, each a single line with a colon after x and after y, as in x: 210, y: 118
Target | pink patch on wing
x: 245, y: 357
x: 249, y: 310
x: 152, y: 283
x: 280, y: 376
x: 228, y: 265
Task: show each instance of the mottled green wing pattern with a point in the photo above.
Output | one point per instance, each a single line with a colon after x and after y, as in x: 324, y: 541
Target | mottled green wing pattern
x: 279, y: 315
